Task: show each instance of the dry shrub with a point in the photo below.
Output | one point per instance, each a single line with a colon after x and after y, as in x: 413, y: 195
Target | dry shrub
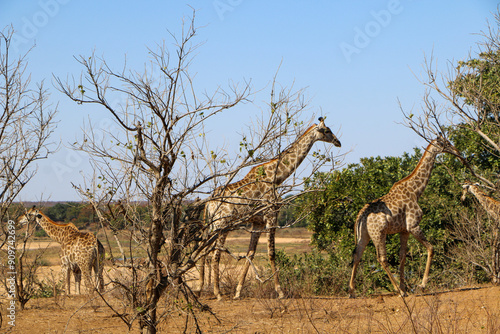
x: 49, y: 287
x: 230, y: 271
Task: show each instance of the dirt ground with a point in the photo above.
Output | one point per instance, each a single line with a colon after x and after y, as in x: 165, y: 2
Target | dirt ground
x: 473, y: 310
x: 470, y: 310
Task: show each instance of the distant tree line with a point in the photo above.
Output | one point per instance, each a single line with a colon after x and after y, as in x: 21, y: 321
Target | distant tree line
x: 80, y: 214
x: 83, y: 215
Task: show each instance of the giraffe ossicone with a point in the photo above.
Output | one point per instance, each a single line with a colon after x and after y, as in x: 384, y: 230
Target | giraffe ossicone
x: 257, y: 191
x: 81, y: 252
x: 398, y: 212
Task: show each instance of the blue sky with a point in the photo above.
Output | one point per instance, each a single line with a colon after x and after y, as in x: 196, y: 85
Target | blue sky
x: 356, y: 58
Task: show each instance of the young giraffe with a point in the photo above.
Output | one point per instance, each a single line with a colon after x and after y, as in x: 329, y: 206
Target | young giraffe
x: 80, y: 251
x: 398, y: 212
x: 258, y: 187
x: 492, y: 207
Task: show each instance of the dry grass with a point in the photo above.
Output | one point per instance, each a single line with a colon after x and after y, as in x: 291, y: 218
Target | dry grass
x: 474, y: 310
x: 291, y: 240
x: 462, y: 311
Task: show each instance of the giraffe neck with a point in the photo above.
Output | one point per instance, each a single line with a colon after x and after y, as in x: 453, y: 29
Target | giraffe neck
x: 489, y: 204
x: 417, y: 181
x: 279, y: 169
x: 56, y: 232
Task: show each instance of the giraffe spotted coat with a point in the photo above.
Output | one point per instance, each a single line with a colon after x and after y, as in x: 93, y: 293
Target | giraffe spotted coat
x: 398, y: 212
x: 252, y: 198
x: 81, y: 252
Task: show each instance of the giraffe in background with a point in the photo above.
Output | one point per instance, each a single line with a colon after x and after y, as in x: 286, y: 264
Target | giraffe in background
x: 492, y: 207
x: 80, y: 251
x: 256, y: 189
x: 398, y: 212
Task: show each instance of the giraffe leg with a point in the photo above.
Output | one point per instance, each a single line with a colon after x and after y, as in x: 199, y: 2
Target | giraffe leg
x: 271, y: 251
x: 101, y: 278
x: 254, y: 240
x: 382, y: 259
x: 98, y: 269
x: 78, y: 277
x: 67, y: 275
x: 87, y: 277
x: 215, y: 264
x: 403, y: 237
x: 419, y: 235
x: 363, y: 241
x: 201, y: 270
x: 209, y: 267
x: 100, y: 266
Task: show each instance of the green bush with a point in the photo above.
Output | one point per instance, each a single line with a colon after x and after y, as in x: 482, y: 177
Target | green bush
x: 48, y: 289
x: 328, y: 272
x: 316, y: 273
x: 40, y: 233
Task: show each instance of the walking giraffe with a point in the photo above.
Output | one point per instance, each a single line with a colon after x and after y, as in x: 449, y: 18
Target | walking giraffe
x: 398, y: 212
x: 258, y: 188
x: 492, y: 207
x: 80, y: 251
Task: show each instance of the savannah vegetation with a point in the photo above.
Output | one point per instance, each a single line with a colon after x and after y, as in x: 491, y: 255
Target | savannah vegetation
x: 153, y: 172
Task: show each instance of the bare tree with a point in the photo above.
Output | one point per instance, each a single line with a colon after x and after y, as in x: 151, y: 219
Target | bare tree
x: 155, y: 132
x: 465, y: 105
x: 26, y: 123
x: 26, y: 264
x: 154, y: 163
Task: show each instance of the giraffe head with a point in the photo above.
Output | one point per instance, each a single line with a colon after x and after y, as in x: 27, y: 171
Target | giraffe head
x: 465, y: 190
x: 323, y: 133
x: 467, y: 187
x: 30, y: 216
x: 442, y: 145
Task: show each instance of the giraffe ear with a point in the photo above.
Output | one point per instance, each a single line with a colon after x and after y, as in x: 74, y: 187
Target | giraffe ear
x: 38, y: 216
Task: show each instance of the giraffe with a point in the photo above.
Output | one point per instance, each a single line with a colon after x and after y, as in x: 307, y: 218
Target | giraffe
x: 257, y: 188
x: 80, y: 251
x: 492, y: 207
x: 398, y: 212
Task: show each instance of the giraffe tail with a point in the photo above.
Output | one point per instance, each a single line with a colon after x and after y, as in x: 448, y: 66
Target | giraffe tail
x: 358, y: 225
